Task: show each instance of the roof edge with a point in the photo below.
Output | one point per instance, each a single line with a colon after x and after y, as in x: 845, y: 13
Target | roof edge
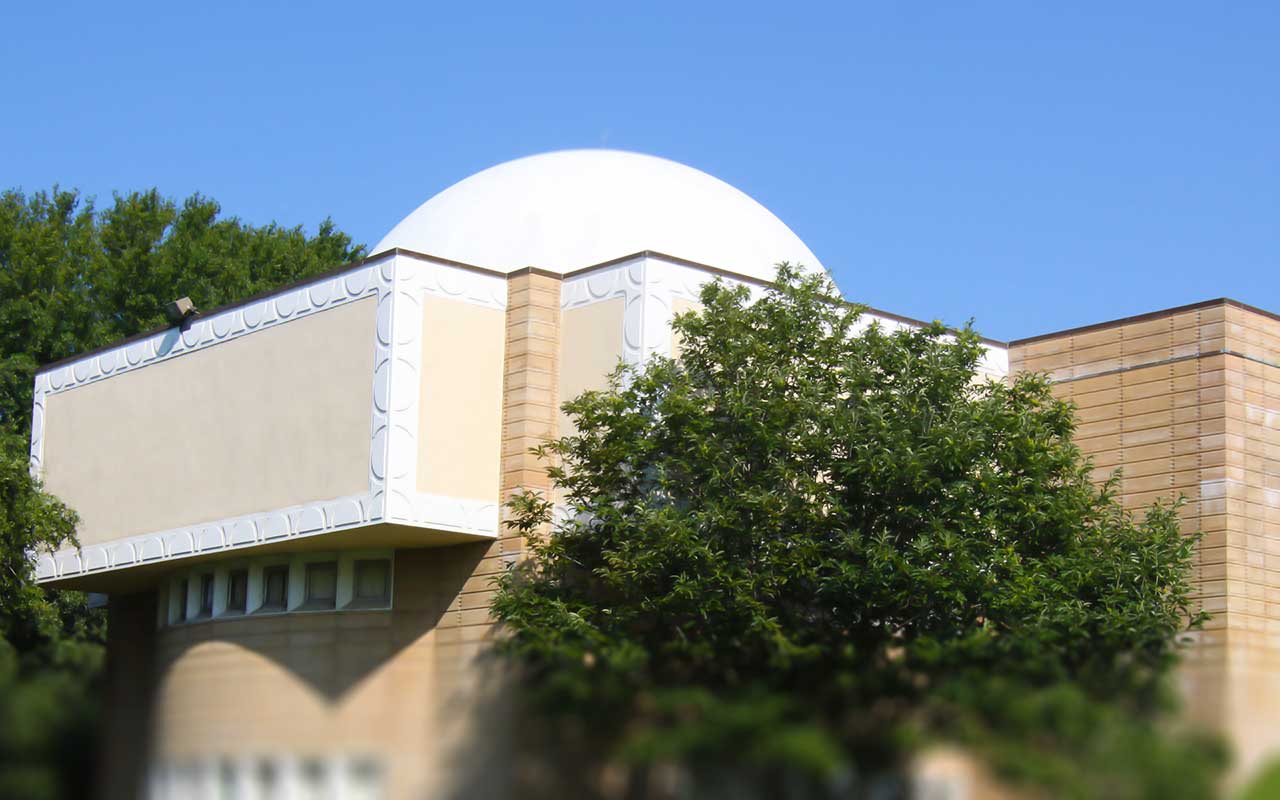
x: 1149, y: 315
x: 400, y: 251
x: 253, y: 298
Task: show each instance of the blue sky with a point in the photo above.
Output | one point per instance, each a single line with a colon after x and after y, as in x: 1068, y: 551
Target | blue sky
x: 1033, y: 167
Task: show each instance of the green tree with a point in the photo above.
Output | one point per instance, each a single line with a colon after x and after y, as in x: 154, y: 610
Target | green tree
x: 73, y: 278
x: 808, y: 548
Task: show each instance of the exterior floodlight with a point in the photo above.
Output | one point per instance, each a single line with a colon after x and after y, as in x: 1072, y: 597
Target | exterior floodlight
x: 180, y: 310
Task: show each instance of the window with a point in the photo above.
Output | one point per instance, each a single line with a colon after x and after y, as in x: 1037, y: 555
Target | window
x: 278, y: 584
x: 314, y: 780
x: 322, y: 586
x: 269, y: 782
x: 364, y: 781
x: 372, y: 584
x: 185, y: 779
x: 275, y: 588
x: 206, y: 596
x: 183, y: 587
x: 228, y: 783
x: 238, y: 591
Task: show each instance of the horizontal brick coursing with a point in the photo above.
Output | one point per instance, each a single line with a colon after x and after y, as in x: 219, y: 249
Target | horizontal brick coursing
x: 1188, y: 405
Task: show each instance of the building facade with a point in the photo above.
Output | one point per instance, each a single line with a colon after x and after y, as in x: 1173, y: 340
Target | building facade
x: 1186, y: 402
x: 295, y: 503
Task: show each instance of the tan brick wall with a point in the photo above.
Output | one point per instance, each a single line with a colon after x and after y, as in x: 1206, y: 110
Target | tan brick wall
x: 405, y: 684
x: 380, y: 684
x: 529, y: 417
x: 1185, y: 403
x: 1253, y: 334
x: 529, y: 392
x: 1188, y: 403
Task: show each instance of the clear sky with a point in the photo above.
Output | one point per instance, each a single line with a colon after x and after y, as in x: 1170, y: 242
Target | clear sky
x: 1032, y: 165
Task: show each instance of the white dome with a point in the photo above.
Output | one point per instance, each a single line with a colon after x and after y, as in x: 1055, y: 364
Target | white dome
x: 576, y: 208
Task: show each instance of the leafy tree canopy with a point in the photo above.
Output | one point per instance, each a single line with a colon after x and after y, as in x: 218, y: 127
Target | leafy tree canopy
x: 72, y: 278
x: 810, y: 547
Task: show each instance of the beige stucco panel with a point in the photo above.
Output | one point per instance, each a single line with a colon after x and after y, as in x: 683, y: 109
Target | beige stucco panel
x: 590, y: 348
x: 681, y: 305
x: 268, y: 420
x: 460, y: 420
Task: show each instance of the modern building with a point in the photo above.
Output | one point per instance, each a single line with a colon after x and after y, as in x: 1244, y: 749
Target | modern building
x: 294, y: 503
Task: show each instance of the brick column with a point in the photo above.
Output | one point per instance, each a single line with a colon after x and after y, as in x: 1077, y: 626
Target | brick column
x: 530, y: 404
x: 530, y: 416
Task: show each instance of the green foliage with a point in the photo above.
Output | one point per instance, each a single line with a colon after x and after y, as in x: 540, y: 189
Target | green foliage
x: 1266, y: 786
x: 815, y: 547
x: 49, y: 714
x: 29, y: 520
x: 71, y: 279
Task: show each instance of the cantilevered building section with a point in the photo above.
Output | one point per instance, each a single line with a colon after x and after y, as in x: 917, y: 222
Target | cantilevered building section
x: 295, y: 502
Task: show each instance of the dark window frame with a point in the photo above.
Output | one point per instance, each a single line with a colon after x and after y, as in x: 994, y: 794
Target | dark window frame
x: 267, y: 606
x: 206, y: 596
x: 370, y: 601
x: 313, y: 603
x: 242, y: 605
x: 184, y: 590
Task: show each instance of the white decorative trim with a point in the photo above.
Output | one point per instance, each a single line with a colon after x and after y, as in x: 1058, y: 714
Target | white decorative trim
x: 399, y: 283
x: 887, y: 324
x: 665, y: 281
x: 455, y: 283
x: 440, y: 512
x: 396, y: 409
x: 648, y: 285
x: 268, y: 312
x: 403, y: 368
x: 225, y: 326
x: 233, y: 533
x: 625, y: 280
x: 380, y: 413
x: 995, y: 361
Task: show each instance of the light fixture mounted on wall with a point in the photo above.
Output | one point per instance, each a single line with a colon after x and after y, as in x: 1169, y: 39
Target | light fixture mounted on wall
x: 180, y: 311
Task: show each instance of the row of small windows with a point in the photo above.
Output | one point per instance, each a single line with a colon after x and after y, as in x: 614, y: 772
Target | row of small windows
x: 311, y: 582
x: 273, y: 778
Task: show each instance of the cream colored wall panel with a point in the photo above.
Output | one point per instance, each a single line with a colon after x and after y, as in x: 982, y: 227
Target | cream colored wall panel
x: 259, y: 422
x: 679, y: 306
x: 461, y: 399
x: 590, y: 348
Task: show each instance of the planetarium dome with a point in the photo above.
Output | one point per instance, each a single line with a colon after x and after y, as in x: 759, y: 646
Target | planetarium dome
x: 571, y: 209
